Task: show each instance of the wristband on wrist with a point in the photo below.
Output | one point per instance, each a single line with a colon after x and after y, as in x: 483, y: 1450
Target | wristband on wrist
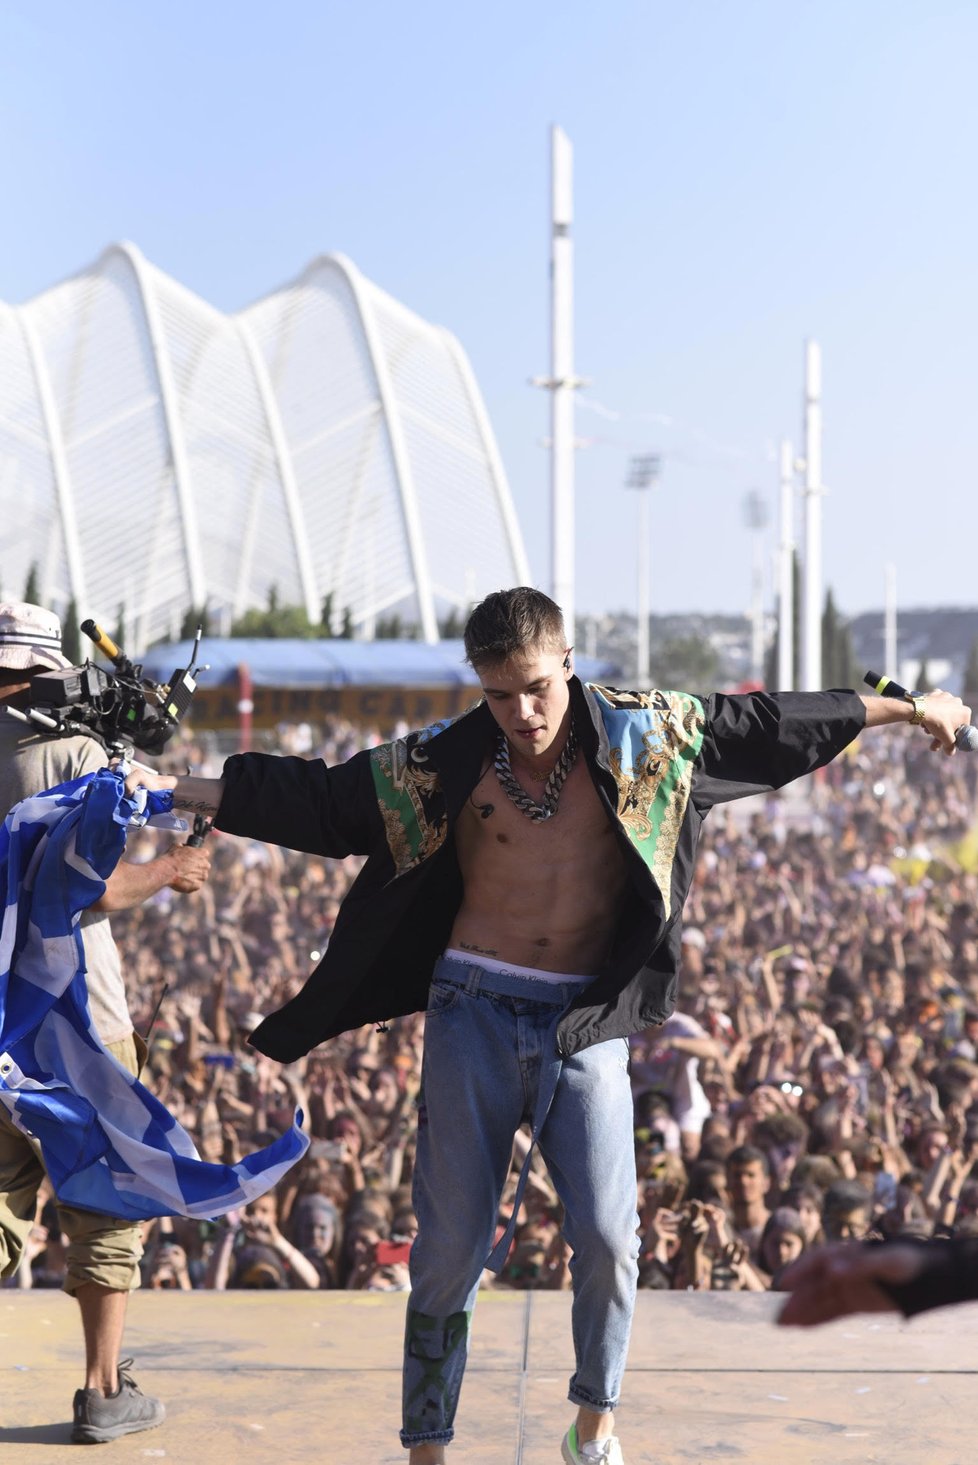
x: 919, y: 709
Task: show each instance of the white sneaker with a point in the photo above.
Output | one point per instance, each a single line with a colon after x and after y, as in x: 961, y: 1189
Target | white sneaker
x: 596, y: 1452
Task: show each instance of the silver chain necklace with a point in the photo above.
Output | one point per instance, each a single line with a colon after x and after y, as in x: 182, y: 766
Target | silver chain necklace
x: 552, y: 789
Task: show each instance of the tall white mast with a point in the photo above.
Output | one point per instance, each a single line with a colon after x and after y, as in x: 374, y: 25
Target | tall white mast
x: 786, y: 589
x: 561, y: 382
x: 811, y: 639
x: 755, y: 517
x: 643, y: 474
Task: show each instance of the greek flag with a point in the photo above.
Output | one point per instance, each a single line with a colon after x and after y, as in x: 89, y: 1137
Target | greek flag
x: 108, y: 1145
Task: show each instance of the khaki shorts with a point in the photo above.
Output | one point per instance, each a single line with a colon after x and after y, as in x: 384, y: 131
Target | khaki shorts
x: 101, y: 1249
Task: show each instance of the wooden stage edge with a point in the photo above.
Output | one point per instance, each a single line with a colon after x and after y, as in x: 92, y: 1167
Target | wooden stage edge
x: 252, y: 1378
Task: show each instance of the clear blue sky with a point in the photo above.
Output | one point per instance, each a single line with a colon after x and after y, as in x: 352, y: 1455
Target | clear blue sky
x: 746, y: 174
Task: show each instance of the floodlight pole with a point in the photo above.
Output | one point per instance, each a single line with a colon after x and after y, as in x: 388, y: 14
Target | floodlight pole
x: 811, y: 640
x: 643, y: 474
x: 755, y: 517
x: 562, y: 383
x: 786, y: 589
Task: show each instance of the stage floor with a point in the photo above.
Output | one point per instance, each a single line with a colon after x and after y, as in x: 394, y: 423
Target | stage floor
x: 258, y: 1378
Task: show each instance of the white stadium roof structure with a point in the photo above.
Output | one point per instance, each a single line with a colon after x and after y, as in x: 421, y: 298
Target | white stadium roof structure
x: 157, y: 454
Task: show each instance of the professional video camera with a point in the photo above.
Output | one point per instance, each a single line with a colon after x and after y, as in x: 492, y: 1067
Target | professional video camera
x: 118, y: 708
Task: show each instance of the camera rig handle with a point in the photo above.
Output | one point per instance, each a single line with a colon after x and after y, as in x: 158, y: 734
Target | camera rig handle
x: 108, y: 648
x: 202, y: 828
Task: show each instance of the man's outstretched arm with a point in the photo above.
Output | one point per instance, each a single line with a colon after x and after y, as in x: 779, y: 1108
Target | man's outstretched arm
x: 296, y: 802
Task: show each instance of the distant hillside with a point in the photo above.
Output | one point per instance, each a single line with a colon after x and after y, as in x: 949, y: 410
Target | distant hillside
x: 941, y: 638
x: 933, y: 636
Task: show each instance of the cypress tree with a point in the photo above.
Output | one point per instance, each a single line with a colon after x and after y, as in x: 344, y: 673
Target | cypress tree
x: 326, y: 615
x: 838, y: 658
x: 32, y: 590
x: 70, y: 637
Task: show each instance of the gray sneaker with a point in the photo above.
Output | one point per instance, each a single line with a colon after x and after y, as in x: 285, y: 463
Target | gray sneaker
x: 98, y: 1419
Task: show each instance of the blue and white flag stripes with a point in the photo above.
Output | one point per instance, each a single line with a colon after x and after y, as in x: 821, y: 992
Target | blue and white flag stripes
x: 108, y: 1145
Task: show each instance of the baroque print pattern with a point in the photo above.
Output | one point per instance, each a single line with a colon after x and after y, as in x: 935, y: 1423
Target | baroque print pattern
x: 654, y: 739
x: 410, y: 797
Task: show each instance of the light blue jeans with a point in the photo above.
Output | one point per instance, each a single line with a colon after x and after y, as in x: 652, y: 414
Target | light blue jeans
x: 491, y: 1062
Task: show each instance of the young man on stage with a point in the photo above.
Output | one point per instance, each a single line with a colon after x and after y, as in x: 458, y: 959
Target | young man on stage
x: 528, y: 865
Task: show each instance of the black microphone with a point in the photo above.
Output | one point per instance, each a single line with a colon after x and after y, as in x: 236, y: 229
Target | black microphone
x: 966, y: 737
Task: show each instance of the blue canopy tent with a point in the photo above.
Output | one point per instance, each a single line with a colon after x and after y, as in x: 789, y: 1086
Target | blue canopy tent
x: 366, y: 681
x: 299, y: 663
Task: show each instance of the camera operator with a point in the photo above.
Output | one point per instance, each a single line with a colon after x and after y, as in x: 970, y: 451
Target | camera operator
x: 103, y: 1252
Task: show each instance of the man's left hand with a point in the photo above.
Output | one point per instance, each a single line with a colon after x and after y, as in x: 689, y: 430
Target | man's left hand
x: 945, y: 713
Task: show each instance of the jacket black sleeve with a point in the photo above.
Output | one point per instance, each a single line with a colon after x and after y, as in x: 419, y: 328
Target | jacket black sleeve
x: 758, y: 741
x: 302, y: 804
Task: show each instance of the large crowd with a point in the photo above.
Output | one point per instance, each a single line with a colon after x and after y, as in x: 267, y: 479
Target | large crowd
x: 819, y: 1080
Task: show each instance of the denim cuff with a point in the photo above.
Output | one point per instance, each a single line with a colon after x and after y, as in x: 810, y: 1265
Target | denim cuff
x: 596, y: 1406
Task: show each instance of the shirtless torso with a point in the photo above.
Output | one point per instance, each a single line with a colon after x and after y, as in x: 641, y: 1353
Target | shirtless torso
x: 542, y: 895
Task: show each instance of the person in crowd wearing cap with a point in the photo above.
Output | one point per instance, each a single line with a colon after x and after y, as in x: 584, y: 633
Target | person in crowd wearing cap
x: 103, y: 1252
x: 527, y: 869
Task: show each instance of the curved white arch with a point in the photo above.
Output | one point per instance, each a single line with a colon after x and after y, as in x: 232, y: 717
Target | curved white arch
x: 286, y: 470
x: 169, y: 402
x: 504, y: 498
x: 338, y: 418
x: 395, y: 437
x: 59, y: 457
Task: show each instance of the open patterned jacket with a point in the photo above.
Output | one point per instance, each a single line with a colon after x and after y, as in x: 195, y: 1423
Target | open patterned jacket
x: 659, y: 761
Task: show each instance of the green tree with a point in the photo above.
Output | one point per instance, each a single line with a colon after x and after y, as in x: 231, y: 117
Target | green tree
x: 276, y: 621
x: 281, y: 622
x: 453, y: 624
x: 391, y: 628
x: 119, y: 634
x: 70, y: 636
x: 924, y: 680
x: 326, y: 615
x: 192, y: 619
x: 838, y: 661
x: 346, y: 628
x: 686, y: 661
x: 32, y: 589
